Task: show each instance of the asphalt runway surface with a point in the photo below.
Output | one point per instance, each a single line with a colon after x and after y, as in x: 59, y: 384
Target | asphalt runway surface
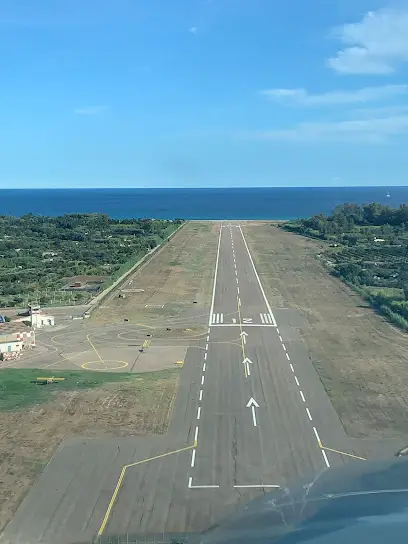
x: 251, y: 415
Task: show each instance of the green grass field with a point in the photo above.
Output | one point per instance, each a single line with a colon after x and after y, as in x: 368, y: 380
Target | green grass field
x: 17, y: 391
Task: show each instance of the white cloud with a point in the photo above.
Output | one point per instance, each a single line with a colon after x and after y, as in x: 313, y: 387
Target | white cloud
x: 373, y: 46
x: 384, y: 111
x: 91, y: 110
x: 371, y: 130
x: 366, y: 94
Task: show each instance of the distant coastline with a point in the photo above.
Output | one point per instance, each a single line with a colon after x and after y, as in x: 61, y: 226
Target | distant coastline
x: 256, y: 203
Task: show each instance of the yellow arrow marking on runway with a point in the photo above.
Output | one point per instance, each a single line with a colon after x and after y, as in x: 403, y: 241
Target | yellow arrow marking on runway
x: 122, y: 475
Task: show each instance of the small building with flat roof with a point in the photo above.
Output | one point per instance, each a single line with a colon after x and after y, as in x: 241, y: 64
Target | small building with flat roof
x: 15, y: 337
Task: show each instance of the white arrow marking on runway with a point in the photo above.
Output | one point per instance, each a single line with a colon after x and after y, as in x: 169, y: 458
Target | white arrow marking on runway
x: 251, y: 404
x: 243, y: 335
x: 247, y: 362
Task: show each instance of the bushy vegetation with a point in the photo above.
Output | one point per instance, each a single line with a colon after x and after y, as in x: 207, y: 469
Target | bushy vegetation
x: 36, y: 252
x: 368, y: 249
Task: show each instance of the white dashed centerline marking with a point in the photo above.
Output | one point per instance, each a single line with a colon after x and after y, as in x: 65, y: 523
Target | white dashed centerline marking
x: 203, y: 367
x: 280, y: 338
x: 302, y: 395
x: 193, y: 454
x: 198, y: 412
x: 284, y: 347
x: 206, y: 347
x: 287, y: 356
x: 205, y: 356
x: 208, y: 338
x: 196, y: 434
x: 309, y: 414
x: 201, y: 394
x: 297, y: 381
x: 291, y: 367
x: 202, y: 380
x: 325, y: 459
x: 317, y: 435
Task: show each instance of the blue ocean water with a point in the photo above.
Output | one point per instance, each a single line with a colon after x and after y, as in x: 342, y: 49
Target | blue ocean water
x: 242, y: 203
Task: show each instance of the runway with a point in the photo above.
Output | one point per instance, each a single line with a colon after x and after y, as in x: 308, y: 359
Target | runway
x: 251, y: 415
x: 250, y: 403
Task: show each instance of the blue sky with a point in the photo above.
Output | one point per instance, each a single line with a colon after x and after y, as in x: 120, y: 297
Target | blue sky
x: 201, y: 93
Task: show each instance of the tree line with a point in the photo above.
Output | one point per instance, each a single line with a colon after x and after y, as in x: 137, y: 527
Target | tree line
x: 368, y: 249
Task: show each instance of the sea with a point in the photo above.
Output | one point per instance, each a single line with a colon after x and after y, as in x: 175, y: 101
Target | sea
x: 223, y: 203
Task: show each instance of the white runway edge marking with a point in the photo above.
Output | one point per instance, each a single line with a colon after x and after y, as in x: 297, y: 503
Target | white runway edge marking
x: 191, y: 486
x: 196, y: 434
x: 257, y: 277
x: 198, y: 412
x: 201, y: 394
x: 215, y: 276
x: 193, y: 454
x: 302, y: 395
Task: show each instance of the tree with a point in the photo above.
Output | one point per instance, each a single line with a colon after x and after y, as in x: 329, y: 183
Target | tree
x: 349, y: 210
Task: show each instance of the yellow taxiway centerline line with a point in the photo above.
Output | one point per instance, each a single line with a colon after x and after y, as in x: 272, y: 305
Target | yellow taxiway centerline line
x: 343, y: 453
x: 96, y: 351
x: 122, y: 475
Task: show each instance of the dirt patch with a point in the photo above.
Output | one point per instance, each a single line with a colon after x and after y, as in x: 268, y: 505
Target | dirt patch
x: 362, y: 361
x: 178, y: 279
x: 141, y: 405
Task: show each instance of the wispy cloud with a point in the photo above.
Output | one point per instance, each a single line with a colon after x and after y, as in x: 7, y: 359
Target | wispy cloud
x: 373, y: 130
x: 381, y: 111
x: 91, y: 110
x: 373, y: 46
x: 193, y: 30
x: 366, y: 94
